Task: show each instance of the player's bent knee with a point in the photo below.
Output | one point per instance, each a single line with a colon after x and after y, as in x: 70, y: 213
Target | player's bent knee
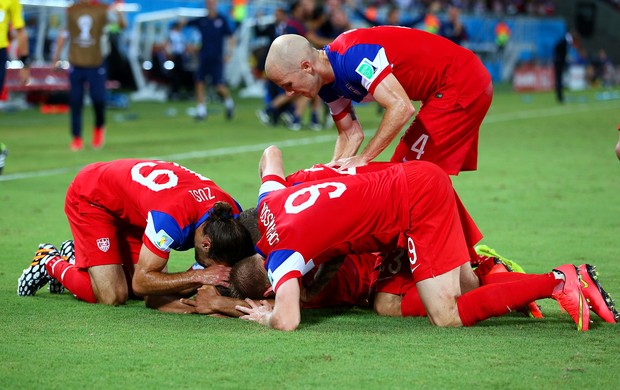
x: 444, y: 319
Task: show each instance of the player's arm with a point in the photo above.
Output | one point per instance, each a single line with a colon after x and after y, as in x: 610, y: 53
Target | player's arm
x: 168, y: 304
x: 271, y: 163
x: 150, y: 276
x: 60, y: 44
x: 350, y: 135
x: 285, y: 314
x: 390, y: 95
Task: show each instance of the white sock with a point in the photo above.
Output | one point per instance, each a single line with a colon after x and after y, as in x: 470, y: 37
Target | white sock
x: 229, y: 103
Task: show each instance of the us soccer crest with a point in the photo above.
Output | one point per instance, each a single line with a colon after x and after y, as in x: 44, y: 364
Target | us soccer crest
x: 103, y: 244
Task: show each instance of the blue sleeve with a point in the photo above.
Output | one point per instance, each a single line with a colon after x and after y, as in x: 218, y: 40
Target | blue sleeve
x: 165, y: 233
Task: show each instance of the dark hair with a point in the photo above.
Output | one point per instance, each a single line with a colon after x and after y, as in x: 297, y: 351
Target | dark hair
x: 249, y: 219
x: 248, y: 279
x: 230, y: 240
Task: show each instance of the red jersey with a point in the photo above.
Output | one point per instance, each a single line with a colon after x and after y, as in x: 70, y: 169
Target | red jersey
x: 332, y: 216
x: 164, y: 199
x: 423, y: 63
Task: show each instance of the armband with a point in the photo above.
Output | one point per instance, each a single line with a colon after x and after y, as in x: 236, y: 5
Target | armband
x: 26, y: 61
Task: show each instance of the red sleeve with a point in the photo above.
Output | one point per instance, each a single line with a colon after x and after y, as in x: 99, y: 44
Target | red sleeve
x: 379, y: 79
x: 275, y: 178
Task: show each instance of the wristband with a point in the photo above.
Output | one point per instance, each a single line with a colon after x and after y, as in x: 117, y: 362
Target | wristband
x: 25, y: 60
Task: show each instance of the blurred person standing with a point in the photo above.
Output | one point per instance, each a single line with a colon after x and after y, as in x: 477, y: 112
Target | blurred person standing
x: 176, y: 49
x: 453, y: 28
x: 85, y: 30
x: 214, y: 30
x: 11, y: 17
x: 560, y: 52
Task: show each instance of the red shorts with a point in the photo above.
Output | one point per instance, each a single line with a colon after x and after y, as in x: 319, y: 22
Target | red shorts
x: 435, y: 239
x: 98, y: 237
x: 445, y: 133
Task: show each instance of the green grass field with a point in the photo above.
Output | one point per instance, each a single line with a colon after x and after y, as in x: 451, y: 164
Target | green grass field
x: 547, y: 192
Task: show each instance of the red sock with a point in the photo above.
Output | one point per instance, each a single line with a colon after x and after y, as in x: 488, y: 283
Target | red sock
x: 504, y: 277
x: 74, y: 279
x: 497, y: 299
x: 411, y: 305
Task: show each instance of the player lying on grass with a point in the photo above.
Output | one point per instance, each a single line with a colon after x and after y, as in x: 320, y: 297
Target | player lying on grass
x: 410, y: 205
x: 126, y: 216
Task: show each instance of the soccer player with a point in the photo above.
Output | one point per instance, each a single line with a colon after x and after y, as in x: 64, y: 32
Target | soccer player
x: 393, y: 66
x: 86, y: 20
x: 11, y: 16
x: 408, y: 205
x: 214, y: 30
x: 126, y: 216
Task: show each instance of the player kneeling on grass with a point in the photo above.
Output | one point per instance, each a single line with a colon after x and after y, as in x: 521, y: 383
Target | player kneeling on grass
x: 126, y: 216
x: 411, y: 205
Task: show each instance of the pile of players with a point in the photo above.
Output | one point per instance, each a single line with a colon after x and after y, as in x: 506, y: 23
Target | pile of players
x: 393, y: 235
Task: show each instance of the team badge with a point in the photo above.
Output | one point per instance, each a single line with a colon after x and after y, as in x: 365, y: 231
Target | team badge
x: 103, y: 244
x: 366, y: 69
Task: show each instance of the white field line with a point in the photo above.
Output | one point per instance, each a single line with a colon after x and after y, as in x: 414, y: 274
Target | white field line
x: 496, y: 118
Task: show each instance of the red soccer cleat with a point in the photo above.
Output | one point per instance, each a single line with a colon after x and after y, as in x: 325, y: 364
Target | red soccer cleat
x: 600, y: 301
x: 98, y: 138
x: 76, y: 144
x: 571, y: 298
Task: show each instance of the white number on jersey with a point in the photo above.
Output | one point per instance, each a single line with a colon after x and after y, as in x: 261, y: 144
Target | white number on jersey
x: 149, y: 181
x: 314, y: 192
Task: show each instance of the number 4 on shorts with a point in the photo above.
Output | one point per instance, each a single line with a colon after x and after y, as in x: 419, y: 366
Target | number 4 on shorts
x: 418, y: 145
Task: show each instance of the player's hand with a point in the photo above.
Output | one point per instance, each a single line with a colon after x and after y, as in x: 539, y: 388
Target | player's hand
x: 204, y: 300
x: 190, y: 304
x: 256, y: 313
x: 349, y: 162
x: 216, y: 275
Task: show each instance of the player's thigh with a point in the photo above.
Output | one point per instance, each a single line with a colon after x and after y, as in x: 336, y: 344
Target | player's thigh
x: 439, y: 296
x: 201, y: 72
x: 109, y: 284
x: 446, y: 134
x: 217, y: 74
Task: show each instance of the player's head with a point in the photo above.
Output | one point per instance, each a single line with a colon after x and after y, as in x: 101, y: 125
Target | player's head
x: 249, y: 219
x: 291, y: 64
x: 229, y: 240
x: 248, y: 278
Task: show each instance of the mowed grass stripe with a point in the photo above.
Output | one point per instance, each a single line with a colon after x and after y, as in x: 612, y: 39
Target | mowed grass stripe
x: 490, y: 119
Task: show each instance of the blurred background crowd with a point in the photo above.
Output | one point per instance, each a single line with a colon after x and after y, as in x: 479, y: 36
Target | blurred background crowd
x: 522, y: 42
